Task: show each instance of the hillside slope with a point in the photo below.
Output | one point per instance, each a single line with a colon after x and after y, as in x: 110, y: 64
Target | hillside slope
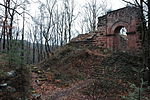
x: 71, y: 64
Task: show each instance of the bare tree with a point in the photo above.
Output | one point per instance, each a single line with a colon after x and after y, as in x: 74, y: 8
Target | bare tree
x: 69, y: 9
x: 92, y: 10
x: 144, y: 6
x: 10, y: 10
x: 50, y: 5
x: 4, y: 30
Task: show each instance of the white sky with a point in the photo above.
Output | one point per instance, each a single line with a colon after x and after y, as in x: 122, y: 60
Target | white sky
x: 116, y: 4
x: 113, y: 4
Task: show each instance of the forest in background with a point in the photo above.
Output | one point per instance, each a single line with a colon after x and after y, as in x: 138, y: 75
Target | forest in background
x: 27, y: 39
x: 54, y: 24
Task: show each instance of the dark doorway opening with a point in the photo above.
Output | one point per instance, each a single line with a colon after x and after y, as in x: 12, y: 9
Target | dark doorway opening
x: 117, y: 43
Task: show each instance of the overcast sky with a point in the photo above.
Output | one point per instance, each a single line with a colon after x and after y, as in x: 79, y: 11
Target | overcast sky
x: 113, y: 4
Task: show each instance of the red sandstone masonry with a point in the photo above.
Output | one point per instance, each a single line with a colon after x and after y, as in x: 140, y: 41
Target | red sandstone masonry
x: 108, y: 28
x: 110, y: 24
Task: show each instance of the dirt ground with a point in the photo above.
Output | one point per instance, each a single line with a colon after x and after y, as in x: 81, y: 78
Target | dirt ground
x: 67, y: 75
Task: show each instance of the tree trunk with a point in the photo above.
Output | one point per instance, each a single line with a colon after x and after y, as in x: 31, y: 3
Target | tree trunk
x: 41, y: 44
x: 148, y: 34
x: 33, y: 57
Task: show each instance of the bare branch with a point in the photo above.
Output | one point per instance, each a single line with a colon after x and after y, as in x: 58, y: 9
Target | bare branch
x: 130, y: 3
x: 145, y: 2
x: 10, y: 8
x: 137, y: 3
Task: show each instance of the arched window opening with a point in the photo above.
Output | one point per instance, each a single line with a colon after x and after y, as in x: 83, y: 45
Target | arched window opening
x: 117, y: 30
x: 121, y: 31
x: 120, y: 39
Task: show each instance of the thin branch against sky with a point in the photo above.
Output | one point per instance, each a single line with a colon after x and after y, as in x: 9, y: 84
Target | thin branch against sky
x: 113, y: 4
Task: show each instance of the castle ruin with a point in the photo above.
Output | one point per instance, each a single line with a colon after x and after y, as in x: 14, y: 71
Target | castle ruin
x: 107, y: 34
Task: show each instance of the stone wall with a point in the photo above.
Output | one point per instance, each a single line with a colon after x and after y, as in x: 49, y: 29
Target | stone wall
x: 109, y: 27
